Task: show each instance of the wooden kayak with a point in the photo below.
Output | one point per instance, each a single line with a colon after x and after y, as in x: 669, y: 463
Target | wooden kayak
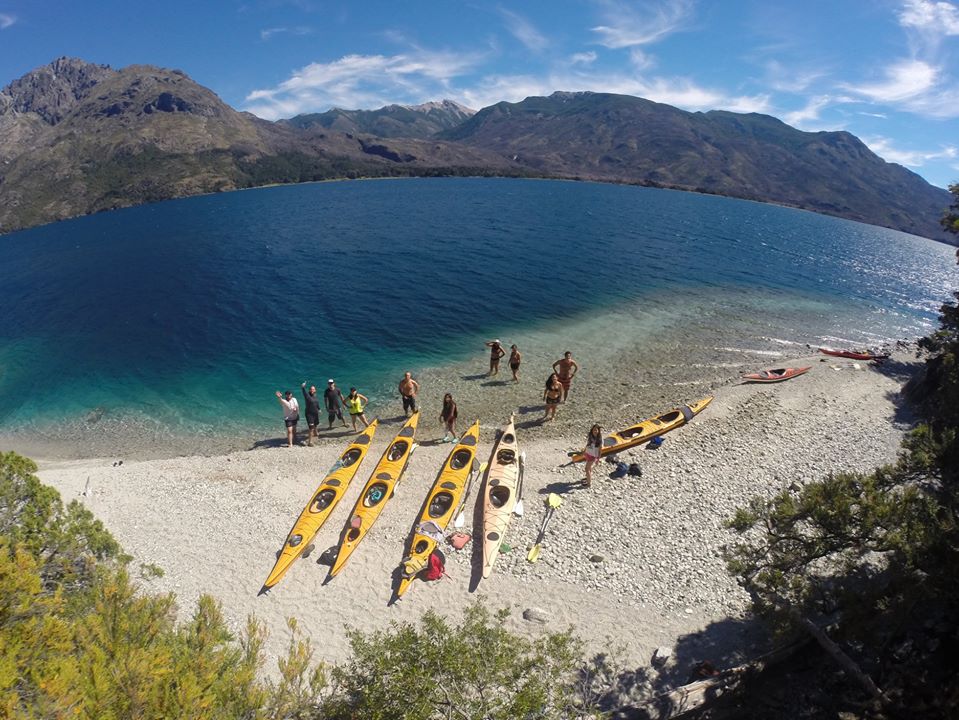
x: 774, y: 376
x: 854, y: 354
x: 376, y: 493
x: 321, y: 505
x: 648, y: 429
x: 499, y: 494
x: 441, y: 504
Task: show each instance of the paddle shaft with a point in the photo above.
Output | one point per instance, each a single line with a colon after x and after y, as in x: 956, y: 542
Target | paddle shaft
x: 542, y: 530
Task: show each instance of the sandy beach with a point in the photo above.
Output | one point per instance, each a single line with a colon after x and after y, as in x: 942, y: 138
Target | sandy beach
x: 632, y: 563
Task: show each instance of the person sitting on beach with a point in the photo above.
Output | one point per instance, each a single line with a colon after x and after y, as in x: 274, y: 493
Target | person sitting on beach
x: 496, y: 352
x: 312, y: 404
x: 408, y: 389
x: 356, y: 402
x: 334, y: 401
x: 448, y: 416
x: 593, y: 452
x: 566, y: 369
x: 551, y: 396
x: 291, y: 414
x: 515, y: 358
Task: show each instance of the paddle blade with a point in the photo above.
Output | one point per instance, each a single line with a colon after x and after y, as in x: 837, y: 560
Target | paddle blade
x: 460, y: 520
x: 518, y: 508
x: 554, y: 500
x: 533, y: 554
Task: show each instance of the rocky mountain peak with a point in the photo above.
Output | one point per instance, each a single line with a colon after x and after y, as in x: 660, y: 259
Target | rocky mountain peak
x: 53, y: 90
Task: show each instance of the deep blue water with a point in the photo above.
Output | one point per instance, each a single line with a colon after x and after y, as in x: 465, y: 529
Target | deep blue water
x: 188, y: 314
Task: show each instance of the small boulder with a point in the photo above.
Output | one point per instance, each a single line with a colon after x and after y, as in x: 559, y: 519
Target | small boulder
x: 662, y: 655
x: 596, y: 558
x: 536, y: 615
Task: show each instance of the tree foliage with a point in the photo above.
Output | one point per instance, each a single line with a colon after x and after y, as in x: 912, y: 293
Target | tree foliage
x: 473, y: 669
x: 79, y: 639
x: 874, y: 556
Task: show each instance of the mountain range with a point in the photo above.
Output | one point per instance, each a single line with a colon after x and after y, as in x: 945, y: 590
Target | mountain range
x: 77, y: 138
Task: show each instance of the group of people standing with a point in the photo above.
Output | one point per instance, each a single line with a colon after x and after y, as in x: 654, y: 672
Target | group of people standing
x: 334, y: 402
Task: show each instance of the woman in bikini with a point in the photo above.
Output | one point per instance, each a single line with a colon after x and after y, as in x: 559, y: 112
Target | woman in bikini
x: 514, y: 360
x: 448, y: 416
x: 552, y: 396
x: 593, y: 451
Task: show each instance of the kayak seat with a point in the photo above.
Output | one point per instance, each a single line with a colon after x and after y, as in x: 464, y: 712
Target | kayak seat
x: 350, y: 457
x: 461, y: 458
x: 397, y: 450
x: 506, y: 456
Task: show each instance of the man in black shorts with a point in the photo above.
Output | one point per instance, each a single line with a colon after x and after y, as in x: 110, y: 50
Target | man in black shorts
x: 408, y: 389
x: 334, y: 403
x: 312, y: 405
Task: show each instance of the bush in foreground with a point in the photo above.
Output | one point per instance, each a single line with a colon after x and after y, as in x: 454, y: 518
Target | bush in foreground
x: 79, y: 639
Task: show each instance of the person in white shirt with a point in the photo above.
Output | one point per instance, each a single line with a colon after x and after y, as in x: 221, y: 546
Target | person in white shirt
x: 291, y: 414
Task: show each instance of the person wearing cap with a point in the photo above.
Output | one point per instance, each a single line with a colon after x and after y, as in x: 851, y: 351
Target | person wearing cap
x: 335, y: 402
x: 496, y: 352
x: 593, y: 452
x: 312, y: 404
x: 291, y: 413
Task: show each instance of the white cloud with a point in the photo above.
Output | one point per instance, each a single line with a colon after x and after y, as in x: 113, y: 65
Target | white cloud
x: 583, y: 58
x: 641, y: 60
x: 790, y: 78
x: 884, y: 148
x: 270, y: 32
x: 905, y: 79
x: 797, y: 118
x: 680, y: 92
x: 356, y: 81
x: 939, y: 18
x: 6, y: 20
x: 523, y: 30
x: 628, y: 24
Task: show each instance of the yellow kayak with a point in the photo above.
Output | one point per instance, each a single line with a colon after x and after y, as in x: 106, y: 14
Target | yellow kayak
x: 441, y: 504
x: 321, y: 505
x: 648, y: 429
x: 376, y: 493
x: 499, y: 494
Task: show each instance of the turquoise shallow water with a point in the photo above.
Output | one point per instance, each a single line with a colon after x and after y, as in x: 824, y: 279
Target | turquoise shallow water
x: 180, y: 319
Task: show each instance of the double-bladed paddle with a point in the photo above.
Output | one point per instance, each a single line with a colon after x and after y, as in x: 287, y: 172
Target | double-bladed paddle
x: 553, y: 501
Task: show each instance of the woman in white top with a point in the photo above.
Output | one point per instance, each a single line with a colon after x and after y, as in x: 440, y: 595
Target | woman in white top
x: 291, y: 414
x: 593, y: 451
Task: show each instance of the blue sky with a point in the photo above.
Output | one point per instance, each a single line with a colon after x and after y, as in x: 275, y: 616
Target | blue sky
x: 885, y: 70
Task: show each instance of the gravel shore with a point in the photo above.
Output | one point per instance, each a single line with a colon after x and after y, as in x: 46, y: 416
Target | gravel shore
x: 632, y: 562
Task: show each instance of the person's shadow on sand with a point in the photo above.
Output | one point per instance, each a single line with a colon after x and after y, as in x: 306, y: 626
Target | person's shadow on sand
x: 273, y: 443
x: 560, y: 488
x: 478, y: 376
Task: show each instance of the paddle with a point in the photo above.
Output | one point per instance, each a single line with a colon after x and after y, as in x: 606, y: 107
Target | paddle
x: 553, y: 501
x: 518, y: 509
x: 461, y: 515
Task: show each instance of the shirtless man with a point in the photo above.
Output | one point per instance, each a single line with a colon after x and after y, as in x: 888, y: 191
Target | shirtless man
x: 566, y: 370
x: 408, y: 389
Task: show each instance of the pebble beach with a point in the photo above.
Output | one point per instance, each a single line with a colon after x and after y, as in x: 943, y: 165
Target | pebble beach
x: 633, y: 563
